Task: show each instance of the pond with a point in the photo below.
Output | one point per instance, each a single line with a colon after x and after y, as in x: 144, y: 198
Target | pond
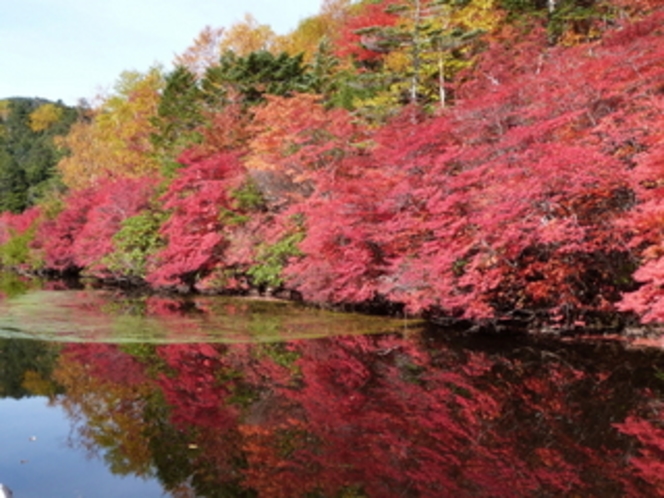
x: 105, y: 395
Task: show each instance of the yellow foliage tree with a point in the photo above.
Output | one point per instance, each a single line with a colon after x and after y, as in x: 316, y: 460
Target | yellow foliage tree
x: 113, y: 140
x: 44, y: 117
x: 306, y: 38
x: 247, y: 36
x: 429, y: 44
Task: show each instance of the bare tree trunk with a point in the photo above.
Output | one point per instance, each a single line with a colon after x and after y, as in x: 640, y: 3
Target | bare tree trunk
x: 415, y: 81
x: 441, y: 79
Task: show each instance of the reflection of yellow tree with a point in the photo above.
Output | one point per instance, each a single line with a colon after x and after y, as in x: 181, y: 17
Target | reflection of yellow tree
x: 108, y: 414
x: 35, y: 383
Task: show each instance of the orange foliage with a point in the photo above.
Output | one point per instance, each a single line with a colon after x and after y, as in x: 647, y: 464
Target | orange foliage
x: 293, y: 138
x: 286, y: 129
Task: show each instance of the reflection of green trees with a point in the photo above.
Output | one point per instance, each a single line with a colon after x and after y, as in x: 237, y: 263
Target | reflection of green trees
x: 26, y: 367
x: 12, y: 285
x: 113, y: 316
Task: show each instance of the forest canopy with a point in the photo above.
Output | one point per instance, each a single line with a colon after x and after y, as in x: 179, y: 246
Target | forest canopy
x: 472, y: 160
x: 28, y: 152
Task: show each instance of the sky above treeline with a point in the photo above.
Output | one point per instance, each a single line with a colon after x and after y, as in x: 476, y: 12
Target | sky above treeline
x: 76, y: 49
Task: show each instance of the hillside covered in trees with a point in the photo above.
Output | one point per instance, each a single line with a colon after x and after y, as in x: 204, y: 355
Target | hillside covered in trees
x: 28, y: 149
x: 474, y: 159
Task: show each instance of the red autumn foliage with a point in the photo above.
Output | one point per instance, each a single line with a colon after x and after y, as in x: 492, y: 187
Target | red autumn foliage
x: 82, y: 233
x: 637, y: 133
x: 341, y: 262
x: 55, y: 238
x: 114, y: 203
x: 515, y: 198
x: 539, y: 189
x: 195, y: 242
x: 12, y: 224
x: 359, y: 46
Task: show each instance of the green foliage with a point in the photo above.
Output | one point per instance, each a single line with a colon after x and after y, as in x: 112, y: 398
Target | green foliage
x: 28, y: 155
x: 572, y: 20
x: 324, y: 79
x: 20, y: 359
x: 134, y: 243
x: 245, y: 199
x: 568, y: 21
x: 179, y: 114
x: 229, y: 217
x: 272, y: 258
x: 515, y: 7
x: 12, y: 284
x: 16, y: 251
x: 13, y: 187
x: 255, y: 75
x: 248, y: 197
x: 353, y: 89
x: 281, y: 355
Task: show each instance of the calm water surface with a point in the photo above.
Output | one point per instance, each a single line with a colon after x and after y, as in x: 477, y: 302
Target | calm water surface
x: 106, y: 395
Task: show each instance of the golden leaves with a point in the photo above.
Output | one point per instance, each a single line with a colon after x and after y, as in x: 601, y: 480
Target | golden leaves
x: 114, y: 140
x: 247, y: 36
x: 44, y: 117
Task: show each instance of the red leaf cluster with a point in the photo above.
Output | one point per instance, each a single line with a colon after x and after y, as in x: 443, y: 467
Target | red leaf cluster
x: 12, y: 224
x: 82, y: 233
x: 194, y: 231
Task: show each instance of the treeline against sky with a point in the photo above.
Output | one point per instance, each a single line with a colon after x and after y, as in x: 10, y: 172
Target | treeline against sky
x: 465, y: 159
x: 29, y: 154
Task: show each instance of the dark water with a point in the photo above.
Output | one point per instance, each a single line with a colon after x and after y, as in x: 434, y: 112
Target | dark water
x: 103, y: 395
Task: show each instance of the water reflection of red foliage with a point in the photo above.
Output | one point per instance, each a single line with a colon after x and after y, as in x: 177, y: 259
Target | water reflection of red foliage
x: 163, y: 306
x: 648, y: 430
x: 389, y: 415
x: 193, y: 388
x: 106, y: 362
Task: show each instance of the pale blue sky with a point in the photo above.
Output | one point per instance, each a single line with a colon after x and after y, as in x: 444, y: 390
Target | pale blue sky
x: 72, y: 49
